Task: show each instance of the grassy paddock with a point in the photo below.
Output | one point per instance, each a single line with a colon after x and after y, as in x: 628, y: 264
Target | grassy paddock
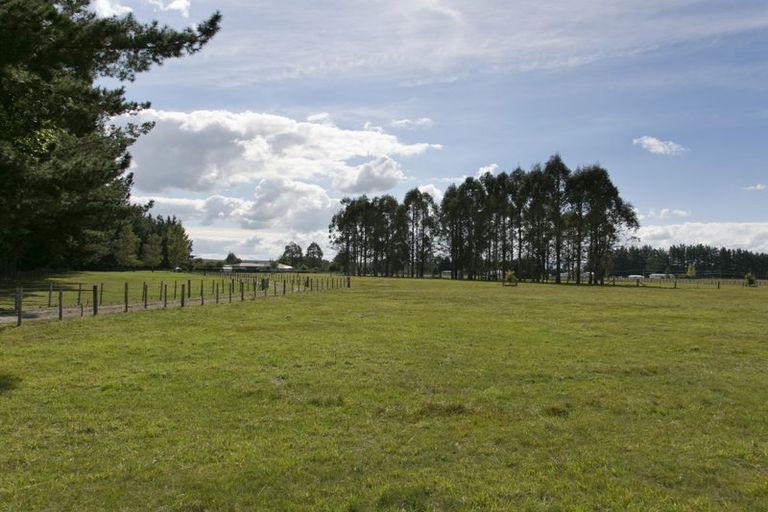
x: 396, y: 395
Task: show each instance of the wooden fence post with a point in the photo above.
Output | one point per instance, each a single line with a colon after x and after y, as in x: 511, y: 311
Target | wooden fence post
x: 182, y: 295
x: 50, y: 294
x: 284, y: 287
x: 61, y: 305
x: 202, y: 294
x: 165, y: 296
x: 174, y: 289
x: 79, y: 293
x: 19, y: 300
x: 146, y: 295
x: 217, y: 293
x: 189, y: 288
x: 125, y: 296
x: 101, y: 294
x: 95, y: 300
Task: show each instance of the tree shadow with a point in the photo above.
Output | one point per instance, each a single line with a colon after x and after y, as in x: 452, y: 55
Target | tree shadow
x: 7, y: 383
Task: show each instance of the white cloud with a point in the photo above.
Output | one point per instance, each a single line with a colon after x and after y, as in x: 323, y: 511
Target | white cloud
x: 412, y: 124
x: 174, y: 5
x: 378, y: 175
x: 276, y: 204
x: 108, y: 8
x: 215, y: 150
x: 490, y: 168
x: 218, y: 242
x: 433, y: 191
x: 658, y: 146
x: 667, y: 213
x: 321, y: 118
x: 752, y: 236
x: 758, y: 187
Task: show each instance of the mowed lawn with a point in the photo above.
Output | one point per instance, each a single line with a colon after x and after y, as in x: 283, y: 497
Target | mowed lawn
x: 395, y: 395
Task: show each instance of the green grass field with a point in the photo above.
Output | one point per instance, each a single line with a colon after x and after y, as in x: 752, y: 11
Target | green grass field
x: 395, y: 395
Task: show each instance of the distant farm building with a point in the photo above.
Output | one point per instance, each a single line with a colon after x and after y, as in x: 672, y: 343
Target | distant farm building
x: 257, y: 266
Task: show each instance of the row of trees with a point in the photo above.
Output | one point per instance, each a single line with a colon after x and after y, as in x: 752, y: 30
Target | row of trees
x: 548, y: 220
x: 294, y: 256
x: 147, y: 242
x: 699, y: 260
x: 64, y: 185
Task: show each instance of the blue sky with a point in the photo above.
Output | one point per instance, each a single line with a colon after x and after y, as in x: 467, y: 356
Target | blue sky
x: 296, y: 104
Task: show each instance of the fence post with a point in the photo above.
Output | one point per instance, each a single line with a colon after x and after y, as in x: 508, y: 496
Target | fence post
x: 50, y: 293
x: 101, y: 294
x: 146, y: 295
x: 165, y: 296
x: 349, y: 282
x: 61, y: 306
x: 79, y: 293
x: 242, y: 291
x: 95, y: 300
x: 182, y: 295
x: 718, y: 285
x: 189, y: 288
x: 284, y: 287
x: 19, y: 300
x: 202, y: 294
x: 174, y: 289
x: 217, y: 293
x: 125, y: 296
x: 231, y: 286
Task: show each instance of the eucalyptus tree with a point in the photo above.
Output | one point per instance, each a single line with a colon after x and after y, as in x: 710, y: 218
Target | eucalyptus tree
x: 602, y: 216
x: 421, y: 219
x: 536, y: 219
x: 556, y: 175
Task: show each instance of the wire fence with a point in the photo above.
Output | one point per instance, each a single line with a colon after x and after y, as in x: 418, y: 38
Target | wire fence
x: 57, y: 300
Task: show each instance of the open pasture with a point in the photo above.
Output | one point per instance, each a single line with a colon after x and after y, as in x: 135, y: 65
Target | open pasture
x: 396, y: 395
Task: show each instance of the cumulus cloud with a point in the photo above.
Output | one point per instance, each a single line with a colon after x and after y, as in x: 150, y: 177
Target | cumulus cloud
x: 433, y: 191
x: 658, y: 146
x: 758, y: 187
x: 667, y: 213
x: 376, y: 176
x: 752, y: 236
x: 108, y: 8
x: 174, y: 5
x: 490, y: 168
x: 214, y: 150
x: 277, y: 204
x: 218, y: 242
x: 412, y: 124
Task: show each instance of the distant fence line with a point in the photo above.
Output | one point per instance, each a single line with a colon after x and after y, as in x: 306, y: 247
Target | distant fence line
x: 47, y: 301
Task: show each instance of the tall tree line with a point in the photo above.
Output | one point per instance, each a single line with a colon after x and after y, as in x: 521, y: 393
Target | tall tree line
x: 707, y: 261
x: 64, y: 180
x: 548, y: 221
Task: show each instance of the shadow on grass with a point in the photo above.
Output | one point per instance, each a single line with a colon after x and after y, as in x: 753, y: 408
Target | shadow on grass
x: 7, y: 383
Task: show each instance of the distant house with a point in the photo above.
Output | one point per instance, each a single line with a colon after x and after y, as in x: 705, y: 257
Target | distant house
x: 257, y: 266
x: 661, y: 276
